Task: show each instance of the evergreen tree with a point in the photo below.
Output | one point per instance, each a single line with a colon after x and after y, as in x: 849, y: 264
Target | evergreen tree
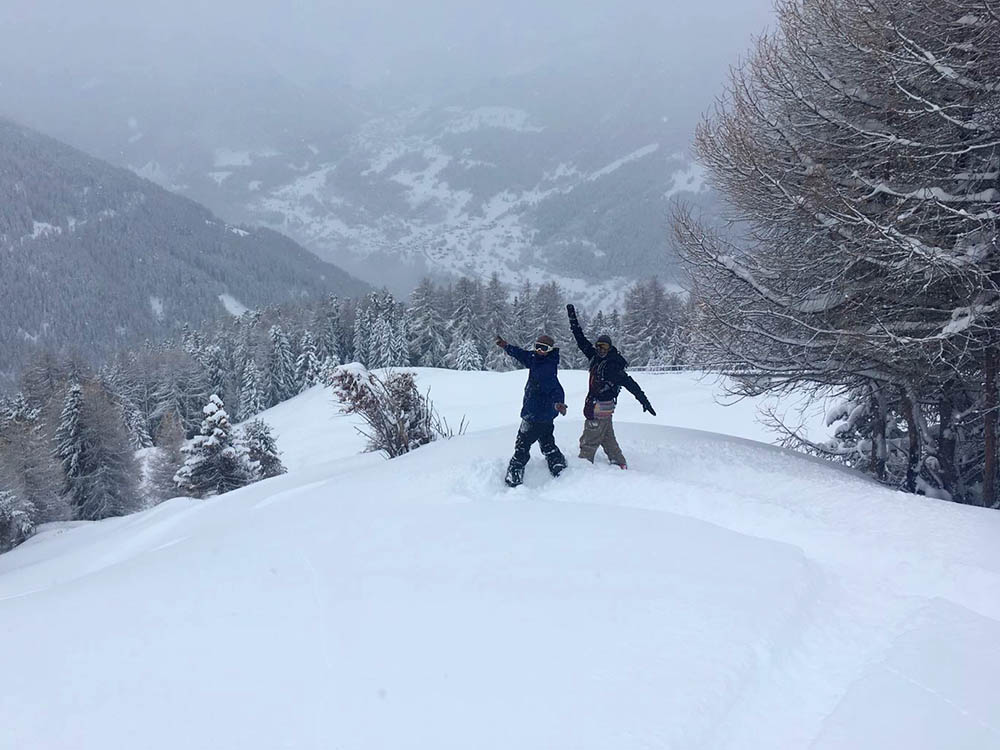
x: 380, y: 343
x: 262, y: 451
x: 466, y: 325
x: 17, y: 516
x: 280, y: 375
x: 70, y: 445
x: 214, y: 461
x: 327, y: 370
x: 217, y: 370
x: 307, y: 366
x: 496, y: 313
x: 251, y: 392
x: 428, y: 344
x: 98, y: 465
x: 327, y: 327
x: 362, y: 334
x: 613, y: 327
x: 181, y: 386
x: 467, y: 357
x: 523, y: 326
x: 400, y: 346
x: 119, y: 390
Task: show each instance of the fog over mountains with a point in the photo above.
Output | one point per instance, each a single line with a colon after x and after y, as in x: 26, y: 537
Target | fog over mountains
x: 539, y: 141
x: 95, y: 258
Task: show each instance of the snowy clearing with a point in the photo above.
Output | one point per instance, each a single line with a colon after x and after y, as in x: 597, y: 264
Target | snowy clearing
x: 721, y: 593
x: 233, y: 306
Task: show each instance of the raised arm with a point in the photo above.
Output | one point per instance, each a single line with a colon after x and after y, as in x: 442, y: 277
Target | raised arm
x: 581, y: 341
x: 522, y: 356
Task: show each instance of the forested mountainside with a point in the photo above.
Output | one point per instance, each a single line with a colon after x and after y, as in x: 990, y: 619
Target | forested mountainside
x: 93, y: 257
x: 561, y: 172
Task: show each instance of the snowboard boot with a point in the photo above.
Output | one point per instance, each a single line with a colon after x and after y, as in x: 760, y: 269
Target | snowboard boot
x: 556, y: 461
x: 515, y: 475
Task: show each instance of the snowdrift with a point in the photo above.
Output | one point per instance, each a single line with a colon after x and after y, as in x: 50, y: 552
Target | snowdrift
x: 722, y: 593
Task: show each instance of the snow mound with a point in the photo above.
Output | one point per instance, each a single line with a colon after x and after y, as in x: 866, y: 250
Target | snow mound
x: 721, y: 593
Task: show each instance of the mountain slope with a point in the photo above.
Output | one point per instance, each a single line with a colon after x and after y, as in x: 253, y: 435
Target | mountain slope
x: 720, y: 594
x: 561, y: 171
x: 96, y: 258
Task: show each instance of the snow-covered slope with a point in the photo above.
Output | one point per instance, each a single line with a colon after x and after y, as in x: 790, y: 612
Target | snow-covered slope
x: 722, y: 593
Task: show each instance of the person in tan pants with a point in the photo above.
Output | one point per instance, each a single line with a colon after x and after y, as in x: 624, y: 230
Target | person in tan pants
x: 607, y: 378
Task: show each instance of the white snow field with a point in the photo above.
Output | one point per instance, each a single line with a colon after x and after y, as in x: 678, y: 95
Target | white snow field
x: 721, y: 593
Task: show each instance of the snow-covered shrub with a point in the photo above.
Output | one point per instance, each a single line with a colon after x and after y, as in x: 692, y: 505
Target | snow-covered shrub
x: 398, y: 417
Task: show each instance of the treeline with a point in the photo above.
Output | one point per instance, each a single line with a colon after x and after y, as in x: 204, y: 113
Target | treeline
x: 155, y: 421
x: 859, y: 150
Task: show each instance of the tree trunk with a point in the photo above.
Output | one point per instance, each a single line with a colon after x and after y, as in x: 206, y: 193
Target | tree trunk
x: 913, y: 458
x: 878, y: 433
x: 946, y: 439
x: 990, y: 427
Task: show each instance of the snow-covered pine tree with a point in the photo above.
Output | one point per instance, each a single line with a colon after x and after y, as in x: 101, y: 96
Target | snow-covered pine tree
x: 307, y: 366
x: 363, y: 323
x: 428, y: 332
x: 326, y: 325
x: 181, y: 386
x: 466, y: 324
x: 673, y: 352
x: 214, y: 462
x: 119, y: 389
x: 16, y: 519
x: 70, y: 445
x: 521, y: 331
x: 252, y: 397
x: 496, y: 314
x: 466, y: 357
x: 550, y: 317
x: 400, y: 346
x: 613, y: 326
x: 217, y: 370
x: 635, y: 343
x: 98, y: 465
x: 262, y: 450
x: 280, y: 373
x: 380, y: 343
x: 327, y: 370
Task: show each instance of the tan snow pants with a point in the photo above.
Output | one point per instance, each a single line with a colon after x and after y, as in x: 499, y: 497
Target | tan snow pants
x: 600, y: 433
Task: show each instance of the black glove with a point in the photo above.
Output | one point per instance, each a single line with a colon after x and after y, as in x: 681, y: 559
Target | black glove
x: 501, y: 343
x: 646, y: 406
x: 572, y: 312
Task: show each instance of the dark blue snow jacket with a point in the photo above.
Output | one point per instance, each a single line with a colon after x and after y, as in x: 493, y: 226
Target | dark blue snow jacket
x: 542, y: 391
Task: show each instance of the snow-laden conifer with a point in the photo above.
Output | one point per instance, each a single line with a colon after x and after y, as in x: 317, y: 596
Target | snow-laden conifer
x: 215, y: 462
x: 280, y: 373
x: 308, y: 365
x: 262, y: 450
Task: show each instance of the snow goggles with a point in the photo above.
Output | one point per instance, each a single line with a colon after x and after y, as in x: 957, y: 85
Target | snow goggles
x: 543, y: 347
x: 603, y: 345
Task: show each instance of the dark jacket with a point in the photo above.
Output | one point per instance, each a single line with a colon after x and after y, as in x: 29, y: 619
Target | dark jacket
x: 607, y: 373
x: 542, y: 391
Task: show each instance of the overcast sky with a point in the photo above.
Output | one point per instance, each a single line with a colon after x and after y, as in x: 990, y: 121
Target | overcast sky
x: 367, y: 41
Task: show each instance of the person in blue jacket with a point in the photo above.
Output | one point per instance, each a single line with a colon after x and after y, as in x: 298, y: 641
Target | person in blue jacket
x: 543, y: 401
